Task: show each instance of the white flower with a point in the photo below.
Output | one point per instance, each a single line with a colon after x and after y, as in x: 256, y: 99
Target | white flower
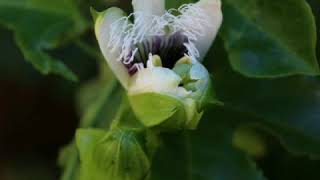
x: 161, y: 51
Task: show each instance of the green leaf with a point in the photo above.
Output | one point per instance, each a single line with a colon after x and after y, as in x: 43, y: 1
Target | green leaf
x: 41, y: 25
x: 204, y: 154
x: 265, y: 39
x: 315, y: 5
x: 286, y: 107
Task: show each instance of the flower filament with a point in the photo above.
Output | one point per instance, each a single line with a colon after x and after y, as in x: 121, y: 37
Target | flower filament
x: 169, y: 36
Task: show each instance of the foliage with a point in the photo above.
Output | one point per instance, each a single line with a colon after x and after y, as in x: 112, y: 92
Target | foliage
x: 40, y: 26
x: 265, y: 40
x: 264, y: 69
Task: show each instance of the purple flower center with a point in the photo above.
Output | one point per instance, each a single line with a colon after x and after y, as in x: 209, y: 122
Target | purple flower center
x: 170, y: 48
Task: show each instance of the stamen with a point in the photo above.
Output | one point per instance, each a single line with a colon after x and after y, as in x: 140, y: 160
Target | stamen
x: 149, y: 62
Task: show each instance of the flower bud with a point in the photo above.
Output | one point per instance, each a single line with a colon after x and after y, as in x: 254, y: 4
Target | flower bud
x: 120, y: 154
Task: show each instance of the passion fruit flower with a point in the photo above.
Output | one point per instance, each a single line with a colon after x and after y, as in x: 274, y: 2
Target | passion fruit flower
x: 157, y: 58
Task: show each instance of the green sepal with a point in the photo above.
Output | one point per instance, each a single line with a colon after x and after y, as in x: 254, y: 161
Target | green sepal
x: 94, y: 13
x: 183, y: 71
x: 205, y: 94
x: 165, y: 111
x: 119, y: 154
x: 86, y: 140
x: 196, y: 78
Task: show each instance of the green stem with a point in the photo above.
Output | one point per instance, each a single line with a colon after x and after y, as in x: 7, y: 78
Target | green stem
x: 70, y: 172
x: 92, y: 52
x: 121, y: 111
x: 125, y: 117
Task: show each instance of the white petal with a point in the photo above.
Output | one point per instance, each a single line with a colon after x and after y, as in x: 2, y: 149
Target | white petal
x: 212, y: 9
x: 102, y: 29
x: 200, y: 23
x: 149, y: 7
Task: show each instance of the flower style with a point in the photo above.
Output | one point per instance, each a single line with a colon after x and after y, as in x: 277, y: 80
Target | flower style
x: 157, y: 58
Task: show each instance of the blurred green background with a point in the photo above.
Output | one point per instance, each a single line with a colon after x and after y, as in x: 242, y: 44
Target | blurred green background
x: 38, y: 114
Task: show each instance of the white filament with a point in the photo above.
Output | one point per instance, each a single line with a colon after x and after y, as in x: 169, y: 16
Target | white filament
x: 137, y: 66
x: 192, y: 22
